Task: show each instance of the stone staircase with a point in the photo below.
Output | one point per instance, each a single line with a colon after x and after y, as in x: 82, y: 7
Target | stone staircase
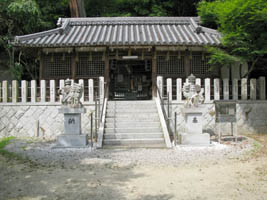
x: 133, y: 124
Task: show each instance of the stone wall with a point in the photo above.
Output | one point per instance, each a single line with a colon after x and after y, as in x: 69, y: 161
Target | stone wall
x: 44, y: 120
x: 36, y: 120
x: 251, y: 117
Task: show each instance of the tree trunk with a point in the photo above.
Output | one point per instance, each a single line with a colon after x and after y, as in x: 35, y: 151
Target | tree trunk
x: 77, y: 8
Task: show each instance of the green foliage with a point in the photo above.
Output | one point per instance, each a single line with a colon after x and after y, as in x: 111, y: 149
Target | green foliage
x: 104, y: 8
x: 3, y: 142
x: 220, y: 58
x: 243, y: 26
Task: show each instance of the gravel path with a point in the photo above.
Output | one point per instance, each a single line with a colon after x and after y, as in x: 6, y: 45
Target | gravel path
x: 42, y: 152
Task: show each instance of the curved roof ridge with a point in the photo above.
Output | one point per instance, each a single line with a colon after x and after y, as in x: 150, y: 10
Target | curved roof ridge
x: 59, y: 30
x: 128, y: 20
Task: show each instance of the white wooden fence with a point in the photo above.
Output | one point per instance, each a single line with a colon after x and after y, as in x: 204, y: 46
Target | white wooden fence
x: 46, y: 91
x: 217, y: 89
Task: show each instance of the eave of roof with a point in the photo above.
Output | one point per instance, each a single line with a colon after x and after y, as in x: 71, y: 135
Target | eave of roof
x: 123, y: 31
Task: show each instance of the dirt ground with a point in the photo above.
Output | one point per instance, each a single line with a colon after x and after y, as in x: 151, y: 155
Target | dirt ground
x: 243, y: 178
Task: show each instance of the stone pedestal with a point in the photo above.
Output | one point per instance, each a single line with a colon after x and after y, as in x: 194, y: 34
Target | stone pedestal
x: 72, y: 136
x: 194, y: 134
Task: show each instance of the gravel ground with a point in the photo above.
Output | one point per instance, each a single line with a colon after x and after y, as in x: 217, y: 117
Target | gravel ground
x: 42, y: 152
x: 218, y: 172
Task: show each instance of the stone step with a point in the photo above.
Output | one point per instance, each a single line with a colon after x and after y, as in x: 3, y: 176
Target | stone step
x: 132, y: 115
x: 132, y: 110
x: 133, y: 130
x: 136, y: 142
x: 133, y: 136
x: 131, y: 124
x: 138, y: 102
x: 133, y: 120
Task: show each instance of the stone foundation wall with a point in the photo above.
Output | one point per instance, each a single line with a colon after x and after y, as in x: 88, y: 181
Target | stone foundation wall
x: 36, y: 121
x: 41, y: 120
x: 251, y: 117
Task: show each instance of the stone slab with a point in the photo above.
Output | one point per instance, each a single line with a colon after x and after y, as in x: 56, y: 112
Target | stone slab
x: 195, y: 139
x: 72, y: 123
x: 72, y: 140
x: 194, y: 123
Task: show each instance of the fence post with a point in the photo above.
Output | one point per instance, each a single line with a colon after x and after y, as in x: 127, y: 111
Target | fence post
x: 169, y: 88
x: 179, y: 89
x: 5, y: 91
x: 262, y: 88
x: 52, y: 91
x: 253, y: 91
x: 91, y: 90
x: 216, y: 89
x: 198, y: 82
x: 244, y: 89
x: 101, y: 89
x: 33, y: 91
x: 14, y: 91
x: 61, y: 85
x: 207, y: 90
x: 81, y: 82
x: 43, y: 90
x: 226, y: 89
x: 24, y: 91
x: 235, y: 89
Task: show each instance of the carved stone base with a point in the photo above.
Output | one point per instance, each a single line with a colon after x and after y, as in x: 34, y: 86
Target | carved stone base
x: 72, y: 141
x: 195, y: 139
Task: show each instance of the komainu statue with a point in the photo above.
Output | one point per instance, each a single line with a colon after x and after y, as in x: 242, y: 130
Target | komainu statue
x: 71, y: 94
x: 192, y: 92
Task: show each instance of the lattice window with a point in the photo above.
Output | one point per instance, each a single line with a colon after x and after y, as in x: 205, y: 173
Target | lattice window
x: 200, y: 66
x: 57, y: 65
x: 170, y: 67
x: 90, y: 65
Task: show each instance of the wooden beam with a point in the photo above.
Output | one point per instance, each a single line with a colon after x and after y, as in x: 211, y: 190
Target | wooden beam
x: 154, y: 73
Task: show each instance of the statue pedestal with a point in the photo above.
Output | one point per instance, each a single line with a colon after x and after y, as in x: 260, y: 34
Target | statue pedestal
x: 194, y: 123
x: 72, y: 136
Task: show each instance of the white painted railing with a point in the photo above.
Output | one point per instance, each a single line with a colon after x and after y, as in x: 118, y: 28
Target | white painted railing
x: 217, y: 89
x: 46, y: 91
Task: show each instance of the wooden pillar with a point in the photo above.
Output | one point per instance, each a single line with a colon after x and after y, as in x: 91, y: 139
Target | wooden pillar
x: 106, y: 72
x: 41, y: 72
x: 187, y: 64
x: 73, y: 66
x: 154, y: 73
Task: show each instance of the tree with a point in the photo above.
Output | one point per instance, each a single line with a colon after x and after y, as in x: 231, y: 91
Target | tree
x: 242, y: 24
x: 77, y: 8
x: 12, y: 15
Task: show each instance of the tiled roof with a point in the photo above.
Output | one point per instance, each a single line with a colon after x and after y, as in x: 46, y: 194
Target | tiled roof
x: 123, y: 31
